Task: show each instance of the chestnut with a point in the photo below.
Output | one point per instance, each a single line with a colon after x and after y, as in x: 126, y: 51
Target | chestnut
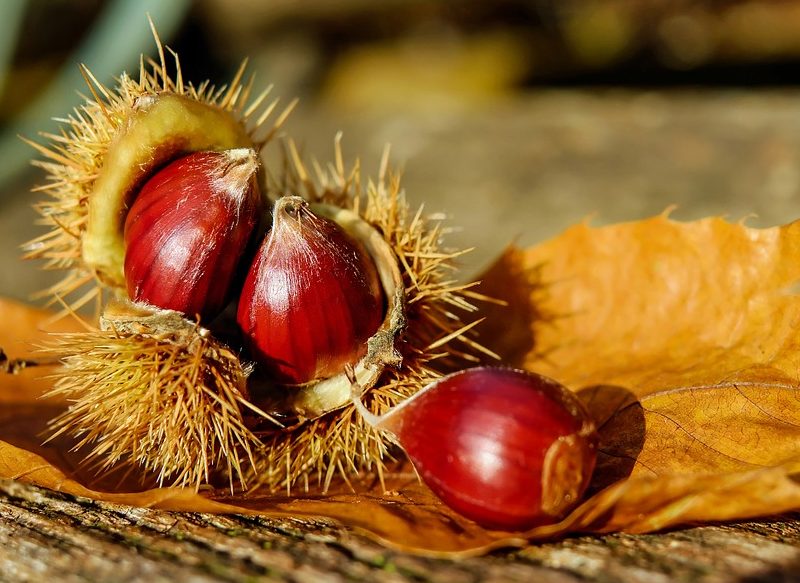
x: 188, y: 228
x: 506, y: 448
x: 312, y: 297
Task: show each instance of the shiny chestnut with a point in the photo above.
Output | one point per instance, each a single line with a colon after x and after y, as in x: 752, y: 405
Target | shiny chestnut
x: 508, y: 449
x: 188, y: 228
x: 311, y: 299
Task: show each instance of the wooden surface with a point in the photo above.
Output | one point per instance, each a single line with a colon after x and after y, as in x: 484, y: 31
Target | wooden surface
x: 529, y: 167
x: 49, y: 537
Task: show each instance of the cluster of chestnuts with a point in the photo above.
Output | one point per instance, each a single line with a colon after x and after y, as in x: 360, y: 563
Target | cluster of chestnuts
x: 319, y: 297
x: 507, y: 448
x: 311, y: 297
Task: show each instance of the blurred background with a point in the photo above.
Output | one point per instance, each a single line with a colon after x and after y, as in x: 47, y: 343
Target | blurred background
x: 516, y: 118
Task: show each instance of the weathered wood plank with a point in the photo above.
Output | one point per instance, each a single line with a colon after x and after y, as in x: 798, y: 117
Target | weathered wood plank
x: 46, y: 535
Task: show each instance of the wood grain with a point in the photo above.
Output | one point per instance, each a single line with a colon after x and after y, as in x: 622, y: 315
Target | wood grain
x: 49, y: 536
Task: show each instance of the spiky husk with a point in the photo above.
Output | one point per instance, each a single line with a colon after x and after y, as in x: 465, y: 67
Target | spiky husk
x: 170, y: 402
x: 137, y: 396
x: 341, y: 444
x: 74, y: 157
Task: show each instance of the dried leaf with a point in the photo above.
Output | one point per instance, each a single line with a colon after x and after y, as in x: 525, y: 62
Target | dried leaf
x: 680, y: 337
x: 682, y: 340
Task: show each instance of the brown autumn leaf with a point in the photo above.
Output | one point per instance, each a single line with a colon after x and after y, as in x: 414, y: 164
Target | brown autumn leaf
x: 680, y: 338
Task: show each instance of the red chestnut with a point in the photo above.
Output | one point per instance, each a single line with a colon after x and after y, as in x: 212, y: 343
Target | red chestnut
x: 506, y: 448
x: 188, y: 228
x: 312, y: 297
